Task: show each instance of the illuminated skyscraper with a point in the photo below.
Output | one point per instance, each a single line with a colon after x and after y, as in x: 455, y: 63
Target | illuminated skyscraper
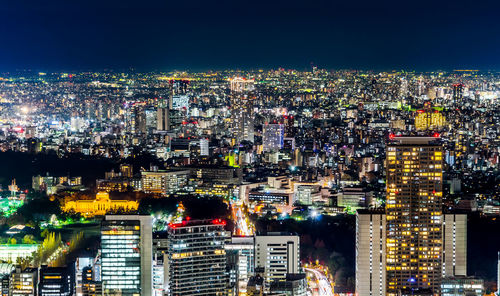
x: 371, y: 250
x: 414, y: 215
x: 196, y: 258
x: 126, y: 243
x: 242, y: 119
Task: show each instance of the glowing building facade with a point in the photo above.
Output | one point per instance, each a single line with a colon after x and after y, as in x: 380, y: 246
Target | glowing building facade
x: 429, y: 120
x: 414, y: 214
x: 99, y: 206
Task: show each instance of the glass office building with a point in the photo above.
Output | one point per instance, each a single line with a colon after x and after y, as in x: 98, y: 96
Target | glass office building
x: 126, y: 243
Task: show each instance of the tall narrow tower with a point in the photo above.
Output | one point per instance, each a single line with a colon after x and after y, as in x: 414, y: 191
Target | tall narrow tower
x: 414, y: 215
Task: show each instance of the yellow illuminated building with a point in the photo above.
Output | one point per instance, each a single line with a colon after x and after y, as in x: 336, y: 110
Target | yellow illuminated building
x: 99, y: 206
x: 429, y: 119
x: 414, y: 214
x: 220, y: 190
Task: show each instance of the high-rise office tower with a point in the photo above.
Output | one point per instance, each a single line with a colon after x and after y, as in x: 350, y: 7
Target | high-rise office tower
x: 278, y: 254
x: 196, y: 259
x: 414, y: 215
x: 242, y: 116
x: 126, y: 244
x: 272, y: 136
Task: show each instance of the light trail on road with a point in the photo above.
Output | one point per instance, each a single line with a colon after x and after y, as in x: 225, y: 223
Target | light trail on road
x: 325, y: 289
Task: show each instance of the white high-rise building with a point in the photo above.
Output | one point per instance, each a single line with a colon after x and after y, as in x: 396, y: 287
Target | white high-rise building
x: 127, y: 255
x: 454, y: 245
x: 279, y: 255
x: 370, y: 253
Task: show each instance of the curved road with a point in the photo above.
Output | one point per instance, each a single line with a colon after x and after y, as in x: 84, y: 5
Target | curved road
x: 325, y: 289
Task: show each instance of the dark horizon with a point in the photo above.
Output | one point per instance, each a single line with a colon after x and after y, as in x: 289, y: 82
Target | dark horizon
x: 155, y: 35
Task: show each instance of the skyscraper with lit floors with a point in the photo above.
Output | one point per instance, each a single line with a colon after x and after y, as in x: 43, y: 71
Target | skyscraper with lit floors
x: 196, y: 258
x: 126, y: 248
x: 414, y: 214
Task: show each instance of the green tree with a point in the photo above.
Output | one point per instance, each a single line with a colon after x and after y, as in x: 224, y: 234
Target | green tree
x: 29, y: 239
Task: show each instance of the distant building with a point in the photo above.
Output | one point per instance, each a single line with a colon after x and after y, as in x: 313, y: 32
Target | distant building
x: 255, y: 286
x: 163, y: 182
x: 4, y: 284
x: 307, y: 194
x: 162, y: 119
x: 272, y: 137
x: 241, y: 84
x: 429, y: 120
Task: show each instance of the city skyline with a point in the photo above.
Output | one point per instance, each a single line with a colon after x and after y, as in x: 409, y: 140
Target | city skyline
x: 231, y: 148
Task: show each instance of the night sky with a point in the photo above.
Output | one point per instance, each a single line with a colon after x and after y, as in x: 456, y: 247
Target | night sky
x: 74, y: 35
